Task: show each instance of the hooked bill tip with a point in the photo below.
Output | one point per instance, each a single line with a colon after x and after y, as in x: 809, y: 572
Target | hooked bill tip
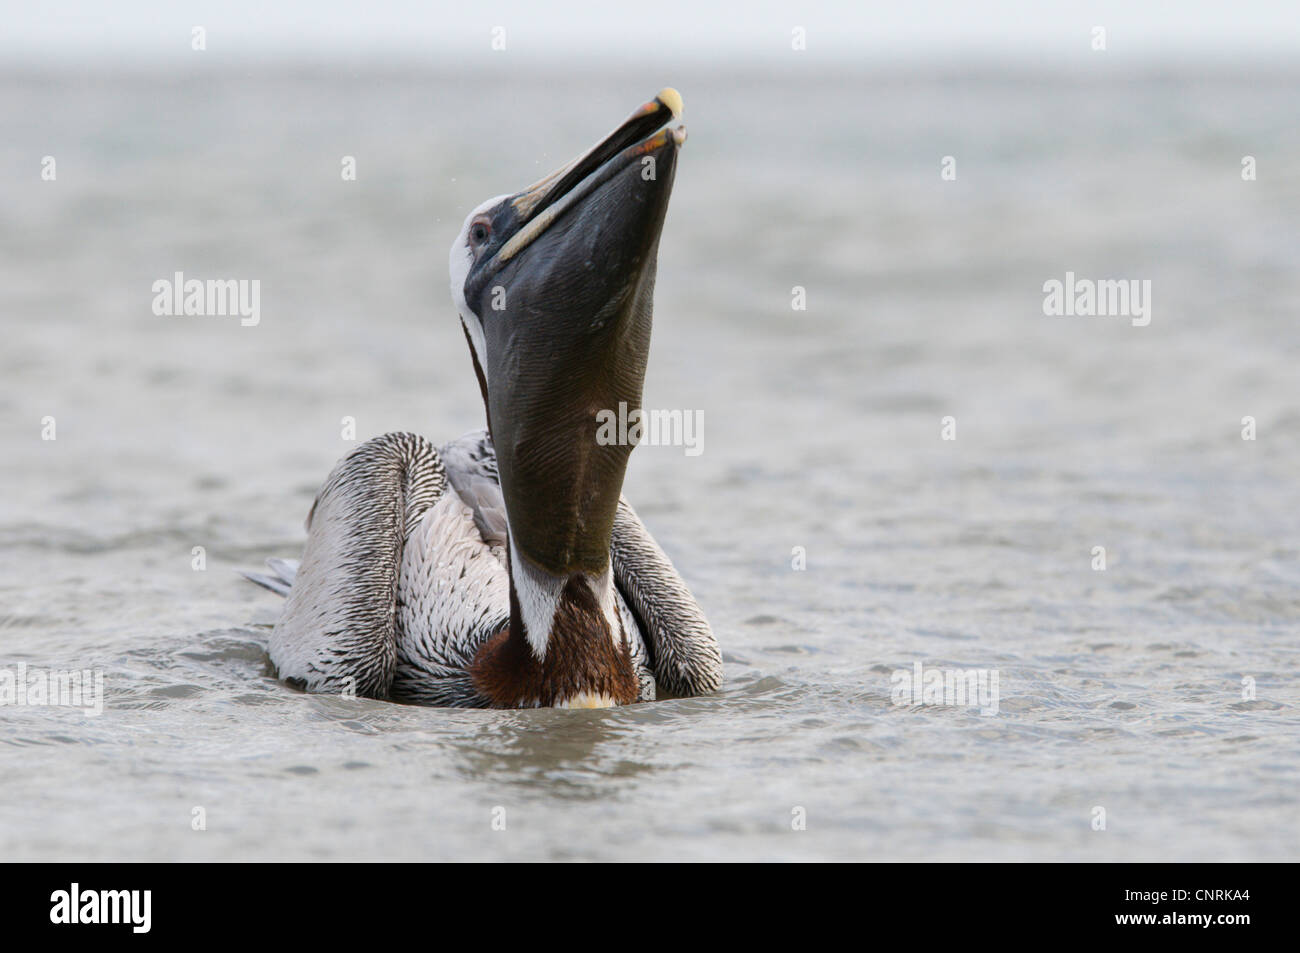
x: 672, y: 99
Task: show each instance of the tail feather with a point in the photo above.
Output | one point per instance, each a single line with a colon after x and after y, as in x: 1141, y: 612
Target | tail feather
x: 280, y: 580
x: 286, y: 569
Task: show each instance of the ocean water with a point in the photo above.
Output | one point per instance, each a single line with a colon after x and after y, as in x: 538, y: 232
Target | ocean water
x: 1161, y: 690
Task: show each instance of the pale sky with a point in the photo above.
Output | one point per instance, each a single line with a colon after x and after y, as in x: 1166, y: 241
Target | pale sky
x: 148, y: 30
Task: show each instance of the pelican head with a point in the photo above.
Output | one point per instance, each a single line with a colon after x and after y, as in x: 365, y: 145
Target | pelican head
x: 554, y: 287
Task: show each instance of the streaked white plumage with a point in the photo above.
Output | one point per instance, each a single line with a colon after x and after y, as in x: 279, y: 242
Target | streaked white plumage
x: 405, y: 577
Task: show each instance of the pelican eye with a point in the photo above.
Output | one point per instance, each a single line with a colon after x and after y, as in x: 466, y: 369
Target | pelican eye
x: 479, y: 233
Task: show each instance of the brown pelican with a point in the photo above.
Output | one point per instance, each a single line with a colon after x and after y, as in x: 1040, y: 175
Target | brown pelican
x: 505, y: 569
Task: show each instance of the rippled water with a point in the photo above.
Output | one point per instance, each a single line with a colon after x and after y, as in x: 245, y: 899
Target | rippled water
x: 1120, y: 689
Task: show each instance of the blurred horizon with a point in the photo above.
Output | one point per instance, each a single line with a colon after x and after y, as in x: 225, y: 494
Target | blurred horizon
x: 147, y: 33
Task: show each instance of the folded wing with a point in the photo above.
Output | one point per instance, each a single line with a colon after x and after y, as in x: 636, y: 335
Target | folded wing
x: 337, y: 633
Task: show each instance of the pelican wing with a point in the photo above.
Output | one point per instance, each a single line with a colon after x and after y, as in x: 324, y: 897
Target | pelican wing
x: 686, y: 657
x: 337, y: 633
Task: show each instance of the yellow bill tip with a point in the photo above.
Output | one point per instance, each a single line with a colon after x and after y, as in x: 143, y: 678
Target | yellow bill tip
x: 672, y: 99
